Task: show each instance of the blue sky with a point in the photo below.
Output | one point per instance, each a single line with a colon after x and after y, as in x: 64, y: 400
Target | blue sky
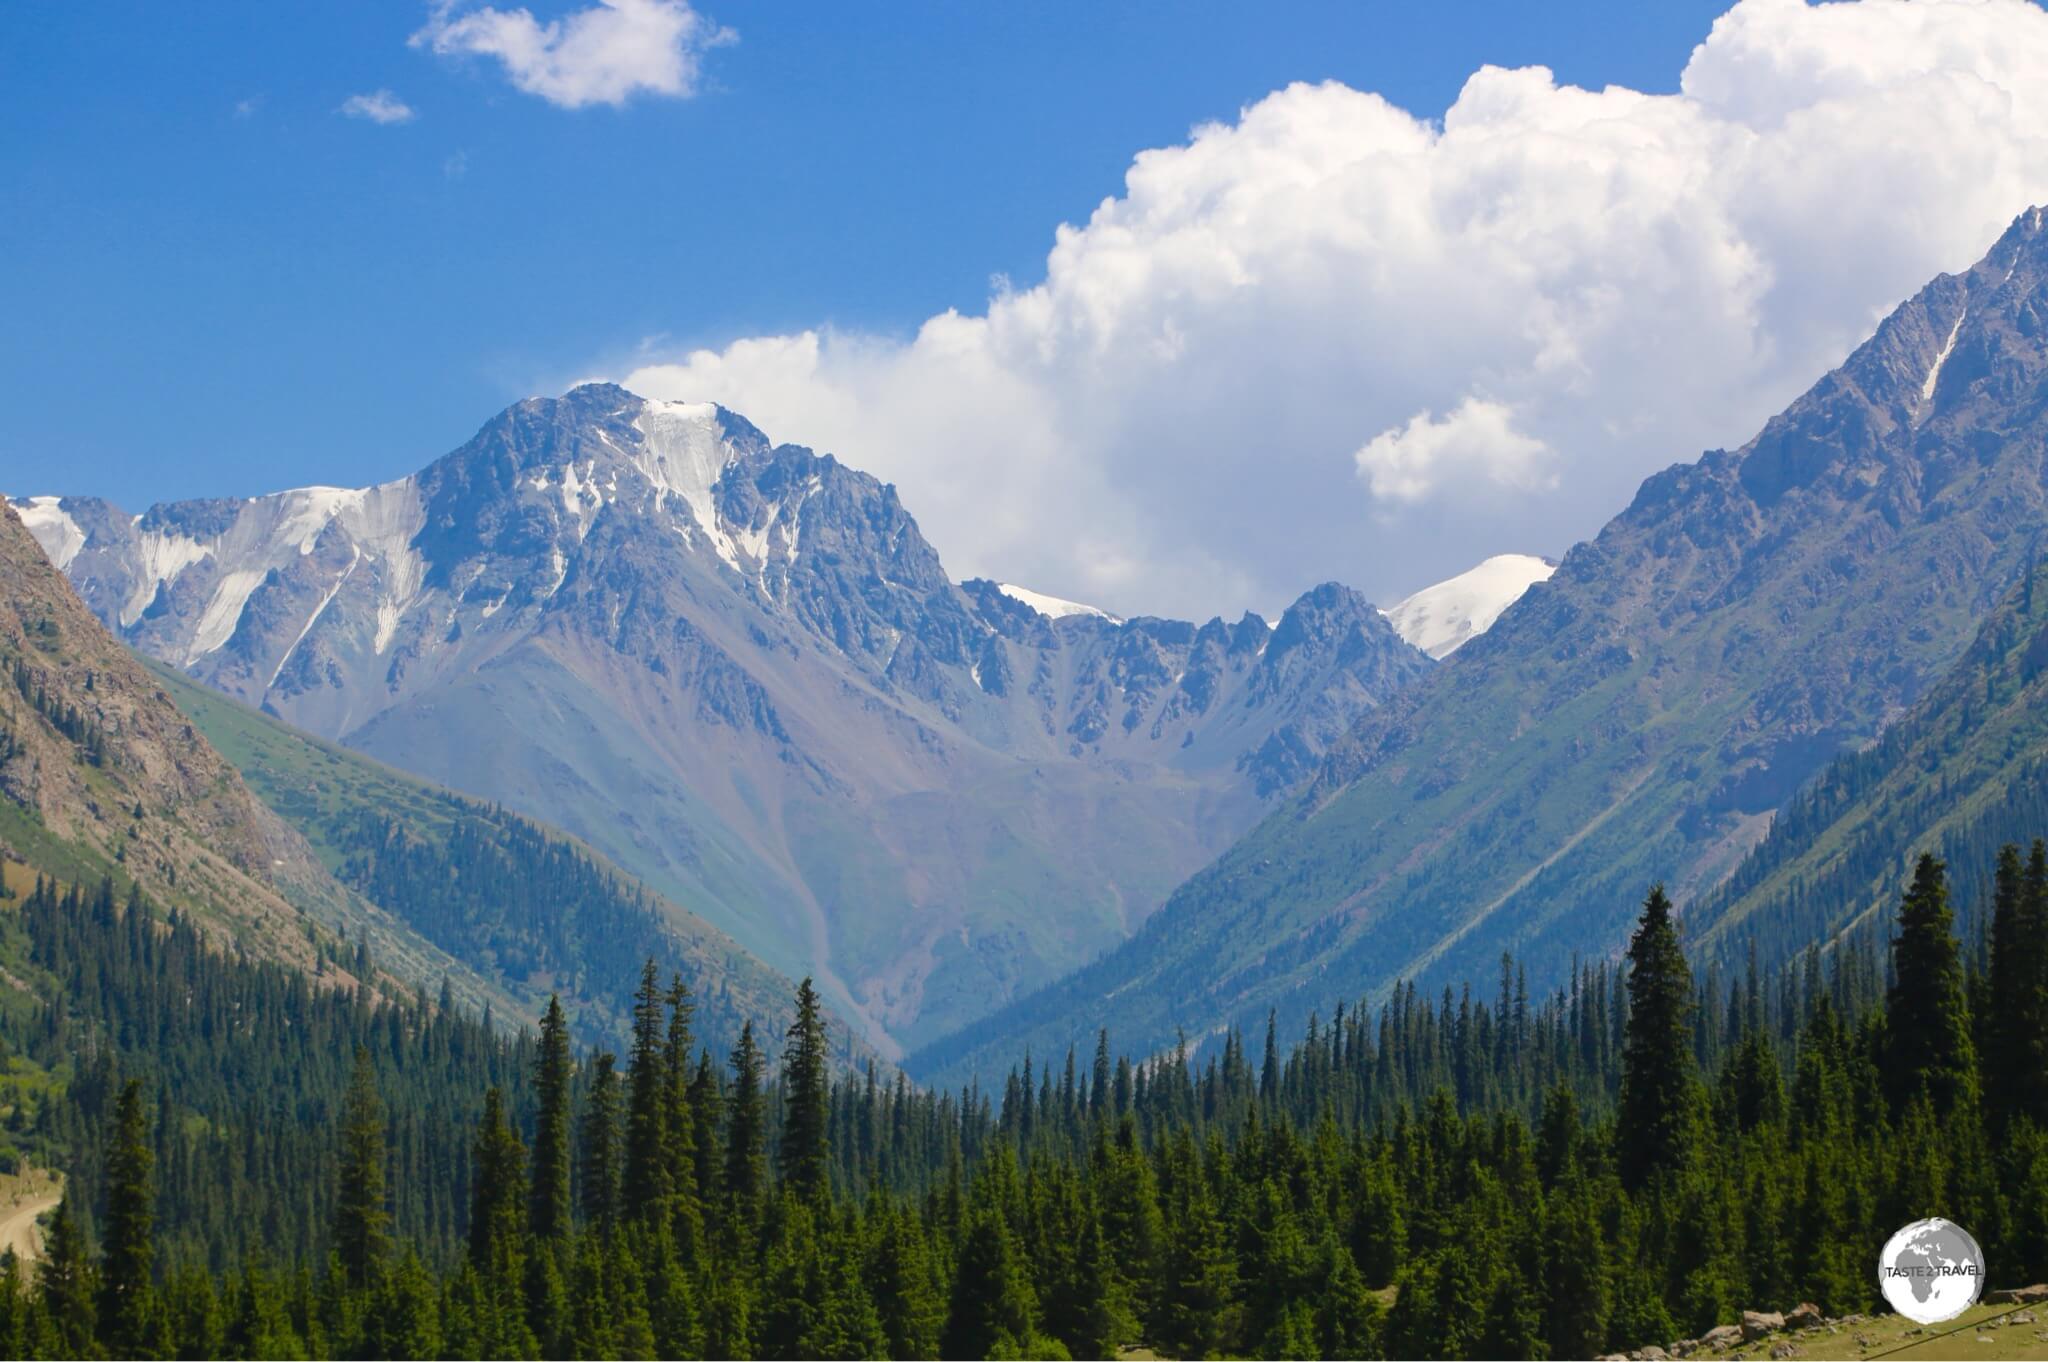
x: 1436, y: 305
x: 205, y: 301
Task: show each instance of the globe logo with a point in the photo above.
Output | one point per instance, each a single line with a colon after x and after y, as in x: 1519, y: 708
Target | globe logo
x: 1931, y: 1270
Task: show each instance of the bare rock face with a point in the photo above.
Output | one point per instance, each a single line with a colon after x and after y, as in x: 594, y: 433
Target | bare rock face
x: 1757, y: 1323
x: 739, y: 670
x: 94, y: 749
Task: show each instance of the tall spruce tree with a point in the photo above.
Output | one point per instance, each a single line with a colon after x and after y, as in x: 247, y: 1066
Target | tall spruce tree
x: 130, y: 1229
x: 1927, y: 1025
x: 647, y: 1182
x: 497, y: 1194
x: 805, y: 1153
x: 360, y: 1217
x: 2015, y: 975
x: 678, y: 1125
x: 745, y: 1135
x: 1653, y: 1119
x: 64, y: 1286
x: 548, y: 1213
x: 598, y: 1158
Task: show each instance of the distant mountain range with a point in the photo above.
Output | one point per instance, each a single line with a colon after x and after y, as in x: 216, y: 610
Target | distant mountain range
x: 1642, y: 714
x: 738, y: 670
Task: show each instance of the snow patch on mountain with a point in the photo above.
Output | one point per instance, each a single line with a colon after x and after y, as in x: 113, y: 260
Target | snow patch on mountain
x: 1052, y: 607
x: 162, y: 556
x: 683, y: 452
x: 224, y: 611
x: 1442, y: 618
x: 55, y: 530
x: 1948, y: 348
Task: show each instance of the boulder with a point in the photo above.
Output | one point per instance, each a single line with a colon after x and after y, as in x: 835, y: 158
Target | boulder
x: 1784, y: 1350
x: 1804, y: 1315
x: 2019, y: 1295
x: 1757, y: 1323
x: 1721, y: 1336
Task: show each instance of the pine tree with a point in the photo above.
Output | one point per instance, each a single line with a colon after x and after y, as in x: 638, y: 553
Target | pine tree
x: 1098, y: 1079
x: 64, y: 1282
x: 806, y: 1152
x: 993, y: 1305
x: 1654, y: 1113
x: 678, y: 1123
x: 497, y: 1193
x: 360, y: 1217
x: 905, y: 1301
x: 549, y: 1207
x: 745, y: 1133
x: 1927, y: 1028
x: 598, y: 1158
x: 647, y: 1182
x: 130, y: 1250
x: 1198, y: 1298
x: 2016, y: 1020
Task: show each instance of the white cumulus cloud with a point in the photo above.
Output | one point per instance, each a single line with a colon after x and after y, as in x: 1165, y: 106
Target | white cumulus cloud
x: 379, y: 106
x: 1226, y: 386
x: 1477, y: 440
x: 604, y: 54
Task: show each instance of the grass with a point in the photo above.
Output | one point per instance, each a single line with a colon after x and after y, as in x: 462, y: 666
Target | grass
x: 313, y: 784
x: 1982, y: 1331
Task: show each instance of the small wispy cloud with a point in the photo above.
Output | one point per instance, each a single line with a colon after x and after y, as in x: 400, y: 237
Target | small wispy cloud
x: 604, y: 54
x: 247, y: 108
x: 379, y: 106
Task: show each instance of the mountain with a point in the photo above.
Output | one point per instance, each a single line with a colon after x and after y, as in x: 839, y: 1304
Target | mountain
x: 1961, y: 775
x: 738, y: 670
x: 1442, y: 618
x: 102, y: 777
x: 1052, y: 607
x: 1640, y: 715
x: 522, y: 904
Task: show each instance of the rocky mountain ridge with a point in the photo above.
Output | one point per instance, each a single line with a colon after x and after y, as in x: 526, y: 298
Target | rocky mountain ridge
x: 739, y: 670
x: 101, y: 775
x: 1643, y: 713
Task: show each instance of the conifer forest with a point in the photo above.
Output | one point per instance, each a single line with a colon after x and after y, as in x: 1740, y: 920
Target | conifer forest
x: 263, y: 1168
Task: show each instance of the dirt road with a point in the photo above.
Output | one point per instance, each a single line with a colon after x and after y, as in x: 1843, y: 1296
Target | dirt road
x: 18, y: 1228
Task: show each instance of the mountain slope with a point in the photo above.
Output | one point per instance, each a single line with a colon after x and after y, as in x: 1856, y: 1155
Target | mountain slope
x: 739, y: 671
x: 1640, y: 715
x: 1963, y: 774
x: 517, y: 901
x: 101, y: 776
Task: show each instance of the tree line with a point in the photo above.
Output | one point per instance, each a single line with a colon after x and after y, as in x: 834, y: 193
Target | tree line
x: 1627, y: 1160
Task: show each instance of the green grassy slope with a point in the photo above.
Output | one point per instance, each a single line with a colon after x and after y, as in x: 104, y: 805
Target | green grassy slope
x: 529, y: 906
x: 1964, y: 773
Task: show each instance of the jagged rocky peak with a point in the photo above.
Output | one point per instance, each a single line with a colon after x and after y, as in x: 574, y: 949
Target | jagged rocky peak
x: 712, y: 655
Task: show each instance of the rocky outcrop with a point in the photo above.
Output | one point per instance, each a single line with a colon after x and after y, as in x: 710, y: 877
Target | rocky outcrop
x: 739, y: 669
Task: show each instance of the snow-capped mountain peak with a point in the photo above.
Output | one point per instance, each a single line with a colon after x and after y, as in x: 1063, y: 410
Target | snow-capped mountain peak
x: 1052, y: 607
x: 1442, y: 618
